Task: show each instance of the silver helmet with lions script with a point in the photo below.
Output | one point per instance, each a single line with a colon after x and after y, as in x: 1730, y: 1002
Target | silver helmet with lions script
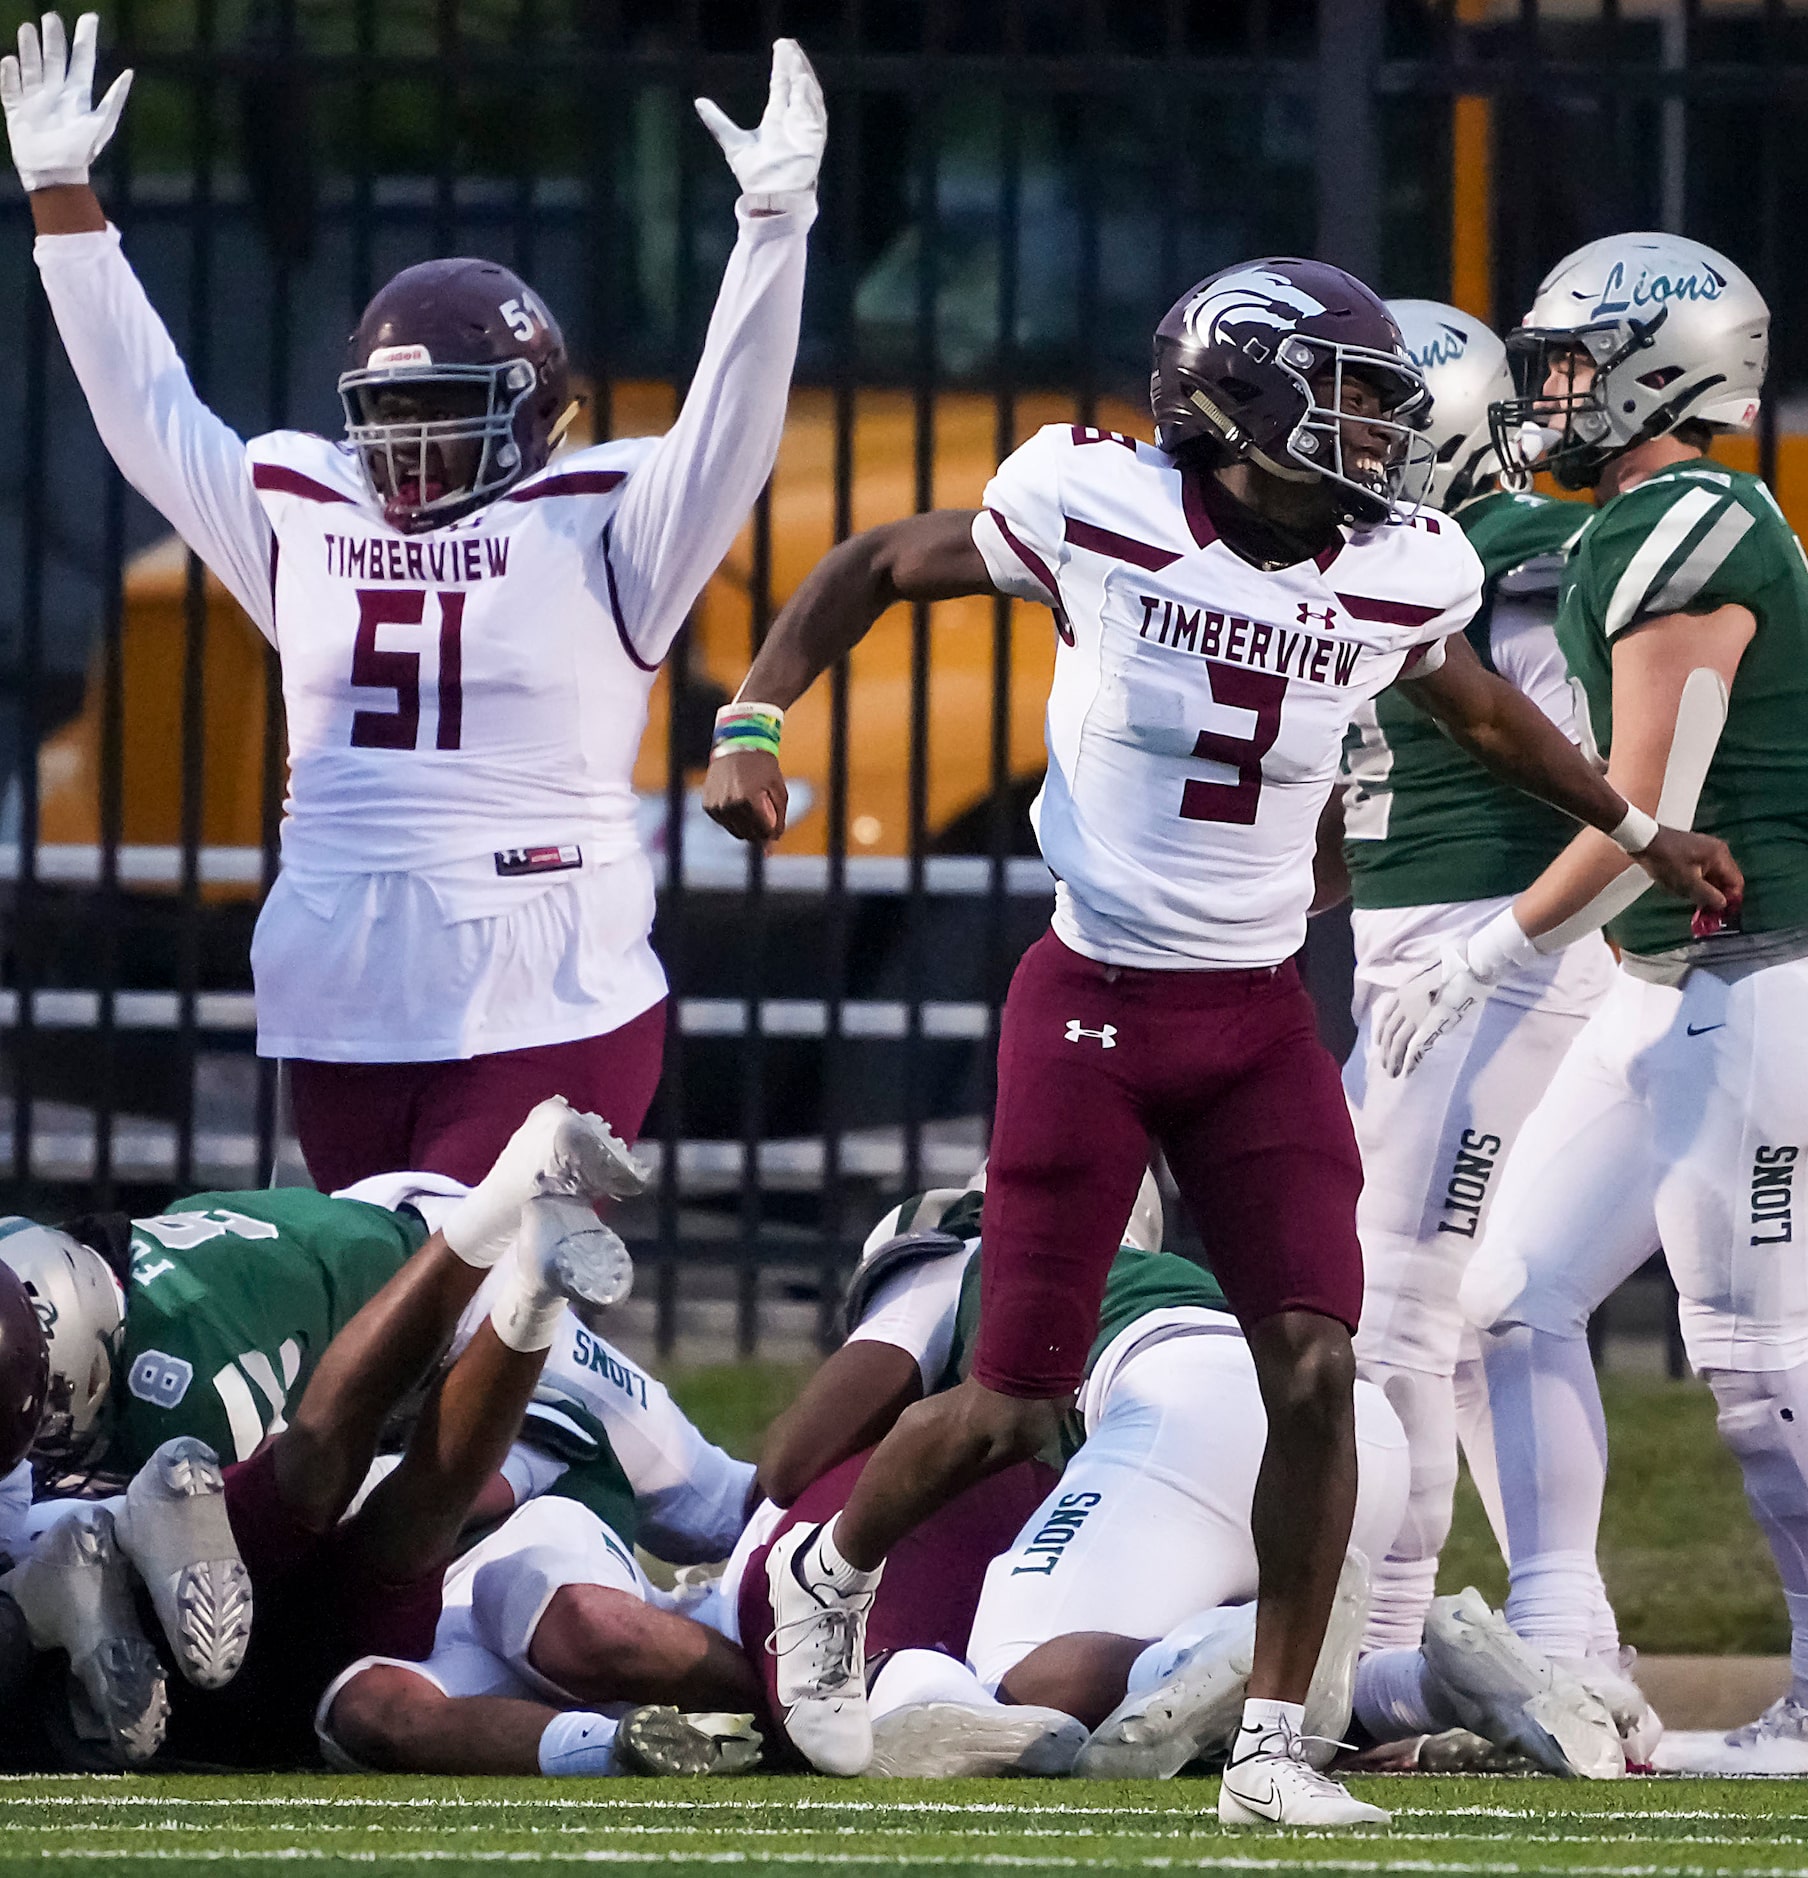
x: 1240, y: 361
x: 1670, y: 332
x: 456, y: 387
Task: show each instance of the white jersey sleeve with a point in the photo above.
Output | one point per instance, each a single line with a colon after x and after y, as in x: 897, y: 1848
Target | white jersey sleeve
x: 169, y: 446
x: 1523, y: 642
x: 914, y: 1310
x: 1020, y: 530
x: 686, y: 501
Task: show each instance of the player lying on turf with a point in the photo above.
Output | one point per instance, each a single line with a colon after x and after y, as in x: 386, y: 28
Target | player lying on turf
x: 326, y: 1592
x: 1680, y: 1116
x: 1225, y: 600
x: 1151, y: 1519
x: 205, y: 1321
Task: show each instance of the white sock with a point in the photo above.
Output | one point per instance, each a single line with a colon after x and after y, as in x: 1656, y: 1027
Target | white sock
x: 1166, y: 1654
x: 822, y: 1559
x: 1396, y: 1697
x: 1550, y: 1439
x: 1262, y: 1719
x: 908, y: 1678
x: 480, y: 1226
x: 526, y: 1311
x: 578, y: 1743
x: 1406, y: 1578
x: 1553, y: 1602
x: 1798, y: 1644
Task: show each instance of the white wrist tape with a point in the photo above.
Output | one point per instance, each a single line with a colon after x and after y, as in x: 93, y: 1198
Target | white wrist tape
x: 1500, y: 947
x: 1636, y: 831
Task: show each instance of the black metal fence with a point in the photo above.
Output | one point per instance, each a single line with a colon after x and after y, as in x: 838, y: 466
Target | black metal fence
x: 1014, y: 193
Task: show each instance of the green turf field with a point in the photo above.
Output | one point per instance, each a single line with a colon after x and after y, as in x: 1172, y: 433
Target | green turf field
x: 1628, y: 1829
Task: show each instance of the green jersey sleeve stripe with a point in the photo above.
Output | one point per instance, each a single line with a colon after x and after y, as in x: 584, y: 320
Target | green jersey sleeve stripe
x: 1666, y: 538
x: 1704, y: 560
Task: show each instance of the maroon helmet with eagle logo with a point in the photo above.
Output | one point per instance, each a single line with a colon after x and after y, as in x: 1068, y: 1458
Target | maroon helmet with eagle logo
x: 457, y: 387
x: 1251, y: 363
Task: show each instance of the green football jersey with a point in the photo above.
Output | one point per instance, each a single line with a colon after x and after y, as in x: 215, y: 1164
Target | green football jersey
x: 230, y: 1300
x: 1139, y: 1282
x: 1424, y: 823
x: 1693, y: 538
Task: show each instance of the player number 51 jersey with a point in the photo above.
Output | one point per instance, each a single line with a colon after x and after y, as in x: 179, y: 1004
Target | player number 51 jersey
x: 1199, y: 703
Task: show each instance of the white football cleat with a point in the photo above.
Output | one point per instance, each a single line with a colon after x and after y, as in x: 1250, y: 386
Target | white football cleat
x: 1194, y: 1710
x: 1610, y: 1679
x: 1269, y: 1782
x: 75, y: 1593
x: 952, y: 1741
x: 1333, y: 1687
x: 656, y: 1739
x: 1505, y: 1689
x: 577, y: 1154
x: 819, y: 1639
x: 573, y: 1255
x: 174, y: 1529
x: 1776, y: 1743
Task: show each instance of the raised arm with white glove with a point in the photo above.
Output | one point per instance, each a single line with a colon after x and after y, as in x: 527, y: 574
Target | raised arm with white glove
x: 688, y: 498
x: 54, y: 129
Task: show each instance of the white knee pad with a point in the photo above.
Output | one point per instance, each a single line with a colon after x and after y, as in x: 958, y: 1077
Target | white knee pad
x: 1501, y: 1289
x: 1764, y: 1422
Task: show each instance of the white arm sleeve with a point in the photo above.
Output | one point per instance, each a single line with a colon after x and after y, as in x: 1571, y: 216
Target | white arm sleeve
x: 1527, y: 655
x: 914, y: 1310
x: 685, y: 504
x: 169, y: 446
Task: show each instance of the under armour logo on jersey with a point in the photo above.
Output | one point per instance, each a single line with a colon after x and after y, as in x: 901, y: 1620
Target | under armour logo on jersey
x: 1325, y: 615
x: 1106, y: 1033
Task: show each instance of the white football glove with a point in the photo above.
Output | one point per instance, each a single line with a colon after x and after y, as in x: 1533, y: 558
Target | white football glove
x: 1413, y: 1016
x: 55, y: 130
x: 784, y: 154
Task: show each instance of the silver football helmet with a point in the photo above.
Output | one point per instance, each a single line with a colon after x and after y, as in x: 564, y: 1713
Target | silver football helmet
x: 1465, y: 368
x: 1674, y: 331
x: 82, y: 1309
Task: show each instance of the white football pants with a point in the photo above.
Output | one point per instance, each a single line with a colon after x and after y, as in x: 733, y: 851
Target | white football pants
x: 1433, y: 1145
x: 1149, y: 1525
x: 1680, y: 1117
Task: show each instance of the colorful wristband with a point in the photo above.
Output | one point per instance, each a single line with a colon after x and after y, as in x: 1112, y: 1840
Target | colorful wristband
x: 747, y: 727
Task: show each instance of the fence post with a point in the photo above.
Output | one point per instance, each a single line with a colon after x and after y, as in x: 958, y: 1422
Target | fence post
x: 1350, y: 35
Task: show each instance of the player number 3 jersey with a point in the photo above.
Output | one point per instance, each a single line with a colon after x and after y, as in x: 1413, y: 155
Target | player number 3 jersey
x: 1199, y: 703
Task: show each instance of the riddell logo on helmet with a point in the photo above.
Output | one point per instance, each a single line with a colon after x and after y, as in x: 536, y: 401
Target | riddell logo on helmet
x: 398, y: 355
x: 1655, y: 290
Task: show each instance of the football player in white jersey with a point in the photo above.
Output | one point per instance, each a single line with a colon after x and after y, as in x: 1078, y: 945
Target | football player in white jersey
x: 1433, y: 848
x: 1225, y: 600
x: 468, y: 636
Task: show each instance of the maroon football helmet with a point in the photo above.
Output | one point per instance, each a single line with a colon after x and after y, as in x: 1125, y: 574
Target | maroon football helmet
x: 455, y: 387
x: 1235, y: 361
x: 24, y: 1370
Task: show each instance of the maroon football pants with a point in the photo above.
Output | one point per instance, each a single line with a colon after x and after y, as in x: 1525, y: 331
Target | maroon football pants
x: 358, y: 1119
x: 1225, y: 1072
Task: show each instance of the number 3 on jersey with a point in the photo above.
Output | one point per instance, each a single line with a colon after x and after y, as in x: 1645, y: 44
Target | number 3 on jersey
x: 400, y: 672
x: 1243, y: 690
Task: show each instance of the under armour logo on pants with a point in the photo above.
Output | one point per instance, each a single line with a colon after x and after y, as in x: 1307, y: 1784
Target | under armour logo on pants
x: 1106, y: 1033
